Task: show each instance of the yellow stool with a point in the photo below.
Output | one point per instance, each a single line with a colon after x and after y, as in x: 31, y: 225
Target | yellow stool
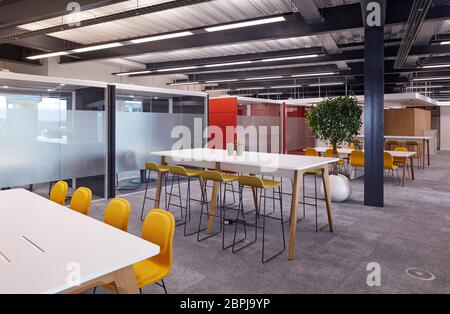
x: 189, y: 174
x: 356, y: 160
x: 223, y: 180
x: 263, y: 186
x: 389, y: 165
x: 415, y: 147
x: 162, y: 171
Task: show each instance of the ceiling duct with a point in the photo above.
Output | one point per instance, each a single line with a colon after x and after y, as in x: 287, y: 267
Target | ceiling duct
x: 102, y: 19
x: 418, y: 12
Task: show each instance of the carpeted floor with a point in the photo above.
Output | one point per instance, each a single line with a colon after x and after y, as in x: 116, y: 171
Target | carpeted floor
x: 411, y: 231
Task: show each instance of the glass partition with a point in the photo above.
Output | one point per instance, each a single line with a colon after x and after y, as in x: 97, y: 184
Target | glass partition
x: 150, y: 122
x: 48, y: 134
x: 298, y: 136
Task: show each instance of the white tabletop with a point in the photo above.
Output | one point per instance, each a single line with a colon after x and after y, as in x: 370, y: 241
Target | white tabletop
x: 402, y: 137
x: 348, y: 151
x: 40, y: 241
x: 265, y: 161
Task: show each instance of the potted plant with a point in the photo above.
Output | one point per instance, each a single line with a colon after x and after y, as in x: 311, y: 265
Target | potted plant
x: 336, y: 120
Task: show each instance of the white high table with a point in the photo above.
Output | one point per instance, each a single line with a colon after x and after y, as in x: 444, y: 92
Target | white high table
x: 48, y: 248
x: 403, y: 155
x: 424, y: 139
x: 277, y: 165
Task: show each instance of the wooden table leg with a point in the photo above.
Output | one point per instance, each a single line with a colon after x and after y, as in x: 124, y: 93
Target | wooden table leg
x: 213, y: 202
x: 159, y: 183
x: 298, y: 177
x: 123, y: 279
x: 423, y: 153
x: 412, y: 167
x: 405, y: 165
x: 326, y: 185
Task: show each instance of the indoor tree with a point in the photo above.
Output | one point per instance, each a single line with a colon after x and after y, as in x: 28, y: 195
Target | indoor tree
x: 336, y: 120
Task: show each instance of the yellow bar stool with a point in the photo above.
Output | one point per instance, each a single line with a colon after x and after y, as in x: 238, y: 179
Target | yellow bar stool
x: 391, y: 145
x: 58, y: 192
x: 81, y: 200
x: 188, y: 174
x: 413, y: 146
x: 159, y: 169
x: 311, y: 152
x: 401, y: 160
x: 223, y: 179
x: 263, y: 186
x: 341, y: 163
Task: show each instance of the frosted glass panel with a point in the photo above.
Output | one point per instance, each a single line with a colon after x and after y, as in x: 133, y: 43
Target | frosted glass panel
x: 29, y: 139
x: 83, y: 148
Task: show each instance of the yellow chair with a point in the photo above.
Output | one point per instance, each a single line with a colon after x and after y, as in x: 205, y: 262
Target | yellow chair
x: 401, y: 161
x: 356, y: 160
x: 311, y: 152
x: 390, y: 166
x: 223, y: 180
x: 189, y: 174
x: 117, y: 213
x: 58, y: 192
x: 329, y: 153
x: 158, y: 228
x: 391, y: 145
x: 413, y: 146
x: 162, y: 171
x: 262, y: 185
x: 81, y: 200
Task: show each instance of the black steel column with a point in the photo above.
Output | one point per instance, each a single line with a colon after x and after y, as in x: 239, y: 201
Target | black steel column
x: 111, y: 110
x: 373, y: 14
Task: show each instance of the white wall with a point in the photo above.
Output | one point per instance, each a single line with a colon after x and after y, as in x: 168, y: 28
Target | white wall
x: 445, y: 128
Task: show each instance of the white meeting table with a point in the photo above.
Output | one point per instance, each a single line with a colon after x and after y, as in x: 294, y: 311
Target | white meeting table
x: 425, y: 144
x: 395, y: 154
x: 48, y: 248
x: 277, y: 165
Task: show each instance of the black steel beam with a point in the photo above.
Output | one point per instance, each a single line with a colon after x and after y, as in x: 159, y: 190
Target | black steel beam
x: 374, y: 105
x: 17, y: 54
x: 339, y: 18
x: 111, y: 162
x: 21, y: 12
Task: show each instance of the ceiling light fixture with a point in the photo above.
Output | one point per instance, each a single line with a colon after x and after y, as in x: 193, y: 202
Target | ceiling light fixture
x: 48, y: 55
x: 246, y: 24
x: 440, y: 78
x: 313, y: 74
x: 97, y: 47
x: 290, y: 58
x: 263, y: 78
x: 133, y: 73
x: 326, y: 84
x: 222, y: 81
x: 161, y: 37
x: 269, y: 94
x: 250, y: 88
x: 177, y: 69
x: 227, y: 64
x: 434, y: 66
x: 286, y: 86
x: 184, y: 83
x: 445, y: 43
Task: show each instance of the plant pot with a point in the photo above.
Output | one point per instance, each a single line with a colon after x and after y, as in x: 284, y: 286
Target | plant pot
x: 340, y: 188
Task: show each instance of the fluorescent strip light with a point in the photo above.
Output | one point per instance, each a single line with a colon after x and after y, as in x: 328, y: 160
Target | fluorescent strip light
x: 442, y: 78
x: 269, y: 94
x: 177, y: 69
x: 286, y: 86
x: 250, y: 88
x: 161, y: 37
x: 424, y: 87
x: 436, y: 66
x: 290, y: 58
x: 5, y: 86
x: 133, y: 73
x: 445, y: 43
x: 245, y: 24
x: 48, y: 55
x: 98, y: 47
x: 222, y: 81
x: 263, y: 78
x: 227, y: 64
x: 326, y: 84
x: 218, y: 90
x: 185, y: 83
x: 313, y: 74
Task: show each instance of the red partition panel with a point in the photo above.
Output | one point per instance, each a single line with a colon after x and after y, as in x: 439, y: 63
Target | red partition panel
x: 223, y: 113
